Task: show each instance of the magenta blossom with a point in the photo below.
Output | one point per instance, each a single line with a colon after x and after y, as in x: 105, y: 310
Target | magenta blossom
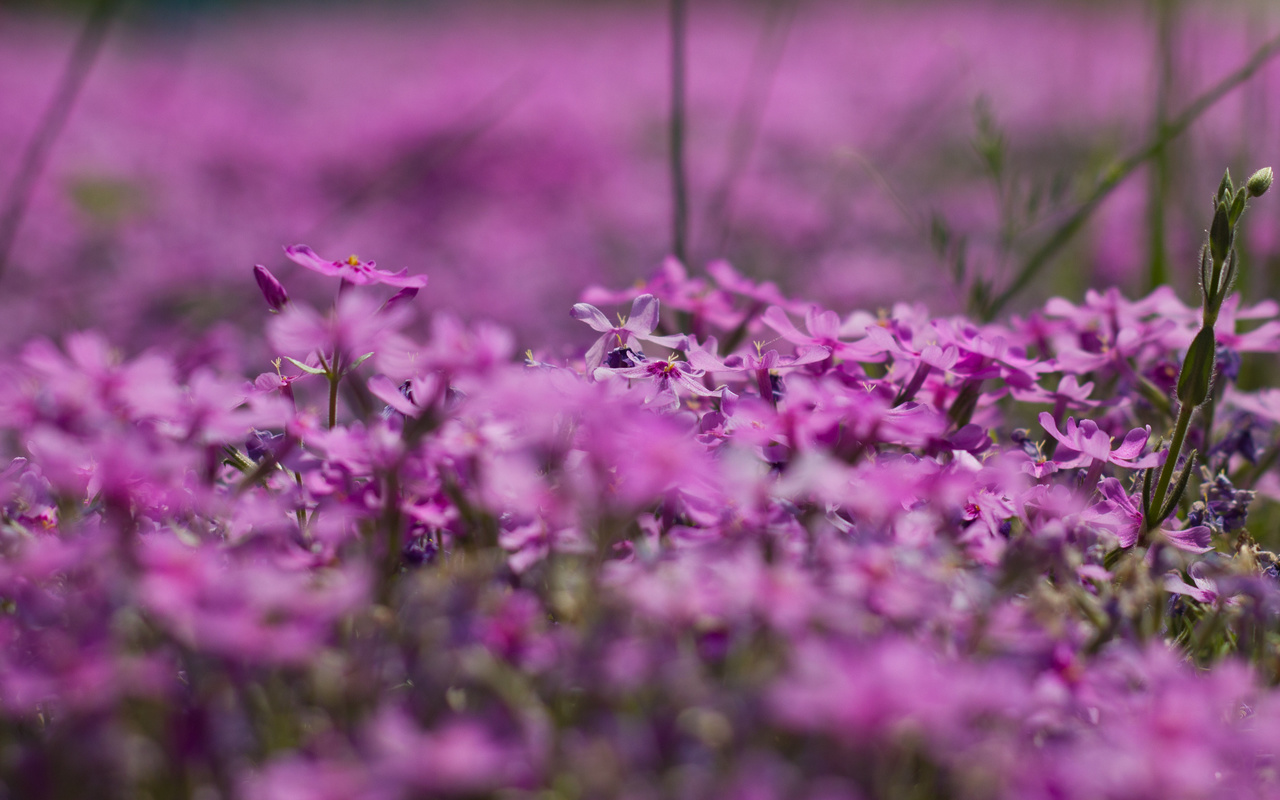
x: 665, y: 376
x: 1092, y: 444
x: 1121, y: 514
x: 353, y: 270
x: 629, y: 331
x: 758, y: 365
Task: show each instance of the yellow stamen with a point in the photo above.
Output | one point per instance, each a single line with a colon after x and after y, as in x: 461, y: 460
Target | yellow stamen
x: 353, y: 260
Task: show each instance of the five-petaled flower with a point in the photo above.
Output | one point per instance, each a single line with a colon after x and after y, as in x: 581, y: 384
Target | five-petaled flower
x: 666, y: 375
x: 1092, y: 445
x: 353, y: 270
x: 629, y: 331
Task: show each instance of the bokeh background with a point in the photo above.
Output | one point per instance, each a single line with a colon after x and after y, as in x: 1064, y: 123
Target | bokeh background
x: 858, y: 153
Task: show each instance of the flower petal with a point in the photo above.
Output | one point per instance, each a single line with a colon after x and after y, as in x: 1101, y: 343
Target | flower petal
x: 585, y: 312
x: 1194, y: 540
x: 1133, y: 443
x: 304, y: 256
x: 644, y: 315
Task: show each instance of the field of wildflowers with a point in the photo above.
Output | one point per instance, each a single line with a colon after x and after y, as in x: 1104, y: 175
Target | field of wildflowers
x: 919, y: 444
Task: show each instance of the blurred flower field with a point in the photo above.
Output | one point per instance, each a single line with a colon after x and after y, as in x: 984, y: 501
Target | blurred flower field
x: 374, y: 425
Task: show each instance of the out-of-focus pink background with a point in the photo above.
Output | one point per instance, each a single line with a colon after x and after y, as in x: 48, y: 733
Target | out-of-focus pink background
x: 517, y: 153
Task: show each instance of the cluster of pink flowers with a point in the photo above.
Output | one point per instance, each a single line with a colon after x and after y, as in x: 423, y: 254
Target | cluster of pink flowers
x: 743, y: 547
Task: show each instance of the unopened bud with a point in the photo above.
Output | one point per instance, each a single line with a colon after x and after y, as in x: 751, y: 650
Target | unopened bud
x: 1220, y: 233
x: 272, y: 289
x: 1260, y: 182
x: 1237, y: 205
x: 1225, y: 189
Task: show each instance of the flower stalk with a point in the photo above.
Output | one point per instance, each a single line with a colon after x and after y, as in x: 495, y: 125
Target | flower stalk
x: 1219, y: 263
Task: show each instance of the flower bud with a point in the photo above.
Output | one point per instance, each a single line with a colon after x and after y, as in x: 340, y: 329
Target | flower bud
x: 1225, y: 189
x: 272, y: 289
x: 1237, y: 205
x: 1220, y: 233
x: 1197, y: 369
x: 1259, y: 182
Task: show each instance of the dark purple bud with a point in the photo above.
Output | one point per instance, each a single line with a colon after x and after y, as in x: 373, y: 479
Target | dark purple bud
x: 272, y: 289
x: 403, y: 296
x: 623, y: 358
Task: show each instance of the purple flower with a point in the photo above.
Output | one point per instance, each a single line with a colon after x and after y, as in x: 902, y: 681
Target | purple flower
x: 629, y: 332
x: 760, y: 365
x: 272, y: 289
x: 826, y: 330
x: 1092, y: 444
x: 666, y: 375
x: 1201, y: 588
x: 1121, y: 514
x: 353, y: 328
x: 353, y: 270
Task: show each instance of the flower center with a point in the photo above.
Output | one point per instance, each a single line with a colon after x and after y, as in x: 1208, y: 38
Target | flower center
x: 353, y: 260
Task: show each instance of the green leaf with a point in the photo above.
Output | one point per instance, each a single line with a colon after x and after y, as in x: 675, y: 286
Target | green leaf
x: 1220, y: 233
x: 1197, y: 369
x: 1237, y: 205
x: 1176, y: 495
x: 1206, y: 271
x: 357, y: 362
x: 304, y: 367
x: 1225, y: 189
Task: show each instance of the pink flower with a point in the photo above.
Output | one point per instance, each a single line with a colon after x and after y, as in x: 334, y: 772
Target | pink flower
x: 353, y: 328
x: 353, y: 270
x: 629, y: 331
x: 1091, y: 444
x: 665, y: 376
x: 1121, y: 514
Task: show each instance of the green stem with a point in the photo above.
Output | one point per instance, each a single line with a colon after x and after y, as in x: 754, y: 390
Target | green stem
x: 301, y: 511
x: 1160, y: 172
x: 679, y: 185
x: 395, y: 536
x: 334, y: 375
x: 85, y: 53
x: 1166, y: 472
x: 333, y: 400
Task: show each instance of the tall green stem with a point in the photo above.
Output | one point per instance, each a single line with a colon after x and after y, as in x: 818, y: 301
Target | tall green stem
x: 1166, y: 472
x: 393, y: 525
x: 52, y: 122
x: 1067, y: 230
x: 333, y: 400
x: 679, y: 185
x: 1159, y: 189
